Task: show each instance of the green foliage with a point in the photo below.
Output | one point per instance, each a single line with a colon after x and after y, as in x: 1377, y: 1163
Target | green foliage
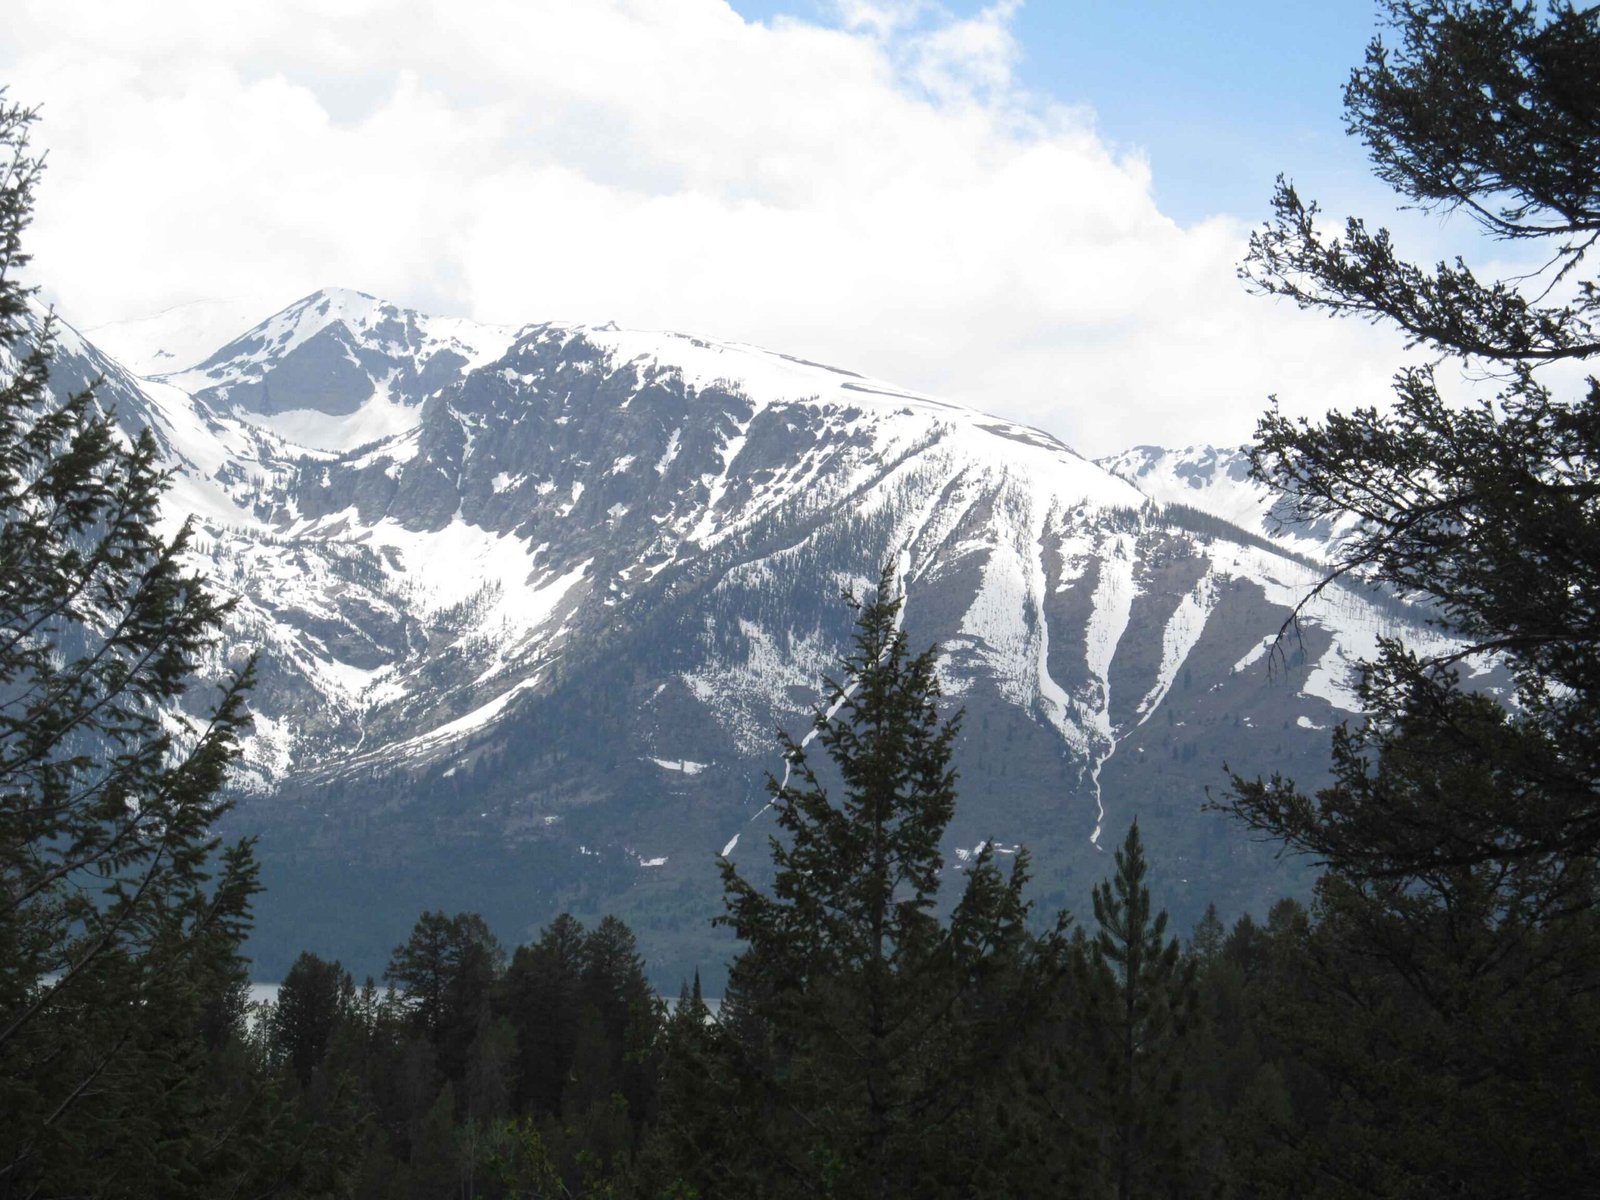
x: 1439, y: 1010
x: 1139, y: 995
x: 1485, y: 510
x: 315, y: 997
x: 478, y: 1080
x: 1450, y: 1010
x: 861, y: 1033
x: 511, y: 1160
x: 119, y: 921
x: 1485, y: 108
x: 444, y: 971
x: 1206, y: 942
x: 541, y: 999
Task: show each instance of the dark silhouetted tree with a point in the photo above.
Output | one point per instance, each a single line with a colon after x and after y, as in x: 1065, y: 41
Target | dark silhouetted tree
x: 313, y: 999
x: 1139, y: 995
x: 861, y: 1031
x: 119, y: 922
x: 445, y: 972
x: 1452, y: 964
x: 542, y: 1001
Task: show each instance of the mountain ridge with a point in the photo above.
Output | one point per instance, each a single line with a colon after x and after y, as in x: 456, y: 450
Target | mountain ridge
x: 576, y: 553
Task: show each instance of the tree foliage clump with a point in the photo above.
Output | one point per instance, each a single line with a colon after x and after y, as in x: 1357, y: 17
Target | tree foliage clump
x: 1455, y: 937
x: 119, y: 921
x: 472, y: 1078
x: 1139, y: 996
x: 1485, y: 108
x: 876, y: 1043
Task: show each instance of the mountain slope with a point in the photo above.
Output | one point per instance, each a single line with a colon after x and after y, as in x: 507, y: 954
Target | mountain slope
x: 1217, y: 482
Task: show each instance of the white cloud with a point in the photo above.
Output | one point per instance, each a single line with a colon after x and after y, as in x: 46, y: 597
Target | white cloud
x: 879, y: 194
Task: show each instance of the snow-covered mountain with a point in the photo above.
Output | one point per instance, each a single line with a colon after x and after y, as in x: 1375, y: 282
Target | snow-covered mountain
x: 529, y: 604
x: 1217, y: 481
x: 182, y: 335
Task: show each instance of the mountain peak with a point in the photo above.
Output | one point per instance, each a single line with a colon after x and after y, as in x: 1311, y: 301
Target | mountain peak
x: 339, y: 368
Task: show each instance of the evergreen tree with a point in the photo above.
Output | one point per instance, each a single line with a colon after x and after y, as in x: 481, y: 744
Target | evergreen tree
x: 860, y: 1031
x: 541, y: 999
x: 1140, y: 999
x: 1484, y: 510
x: 617, y: 1030
x: 1206, y: 941
x: 445, y: 971
x: 1263, y: 1097
x: 315, y: 997
x: 701, y: 1118
x: 490, y: 1062
x: 119, y: 925
x: 437, y: 1162
x: 1451, y: 1014
x: 1443, y: 997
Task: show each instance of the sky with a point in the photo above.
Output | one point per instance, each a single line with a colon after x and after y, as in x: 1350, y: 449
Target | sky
x: 1037, y: 209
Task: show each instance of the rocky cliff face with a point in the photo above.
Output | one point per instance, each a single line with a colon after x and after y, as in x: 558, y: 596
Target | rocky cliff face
x: 530, y: 603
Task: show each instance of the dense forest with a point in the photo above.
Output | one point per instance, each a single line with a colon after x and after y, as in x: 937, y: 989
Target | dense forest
x: 1429, y: 1025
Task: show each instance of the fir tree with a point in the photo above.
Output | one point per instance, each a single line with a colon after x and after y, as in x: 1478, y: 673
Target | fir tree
x: 1140, y: 999
x: 1485, y: 511
x: 541, y: 999
x: 860, y: 1030
x: 445, y: 971
x: 1443, y: 994
x: 1206, y: 941
x: 1450, y: 1014
x: 701, y: 1121
x: 119, y: 925
x: 315, y: 997
x: 622, y: 1016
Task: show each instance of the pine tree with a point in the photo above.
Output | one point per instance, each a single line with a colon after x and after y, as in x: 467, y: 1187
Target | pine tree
x: 315, y: 997
x: 437, y: 1163
x: 445, y: 971
x: 700, y: 1119
x: 541, y: 999
x: 1449, y: 972
x: 1140, y: 1002
x: 623, y: 1016
x: 1206, y: 941
x: 490, y: 1062
x: 119, y: 925
x: 1485, y: 510
x: 1451, y: 1015
x: 861, y: 1032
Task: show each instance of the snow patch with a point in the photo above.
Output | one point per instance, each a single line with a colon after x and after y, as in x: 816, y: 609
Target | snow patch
x: 1257, y: 652
x: 379, y: 417
x: 686, y: 766
x: 1183, y: 630
x: 670, y: 453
